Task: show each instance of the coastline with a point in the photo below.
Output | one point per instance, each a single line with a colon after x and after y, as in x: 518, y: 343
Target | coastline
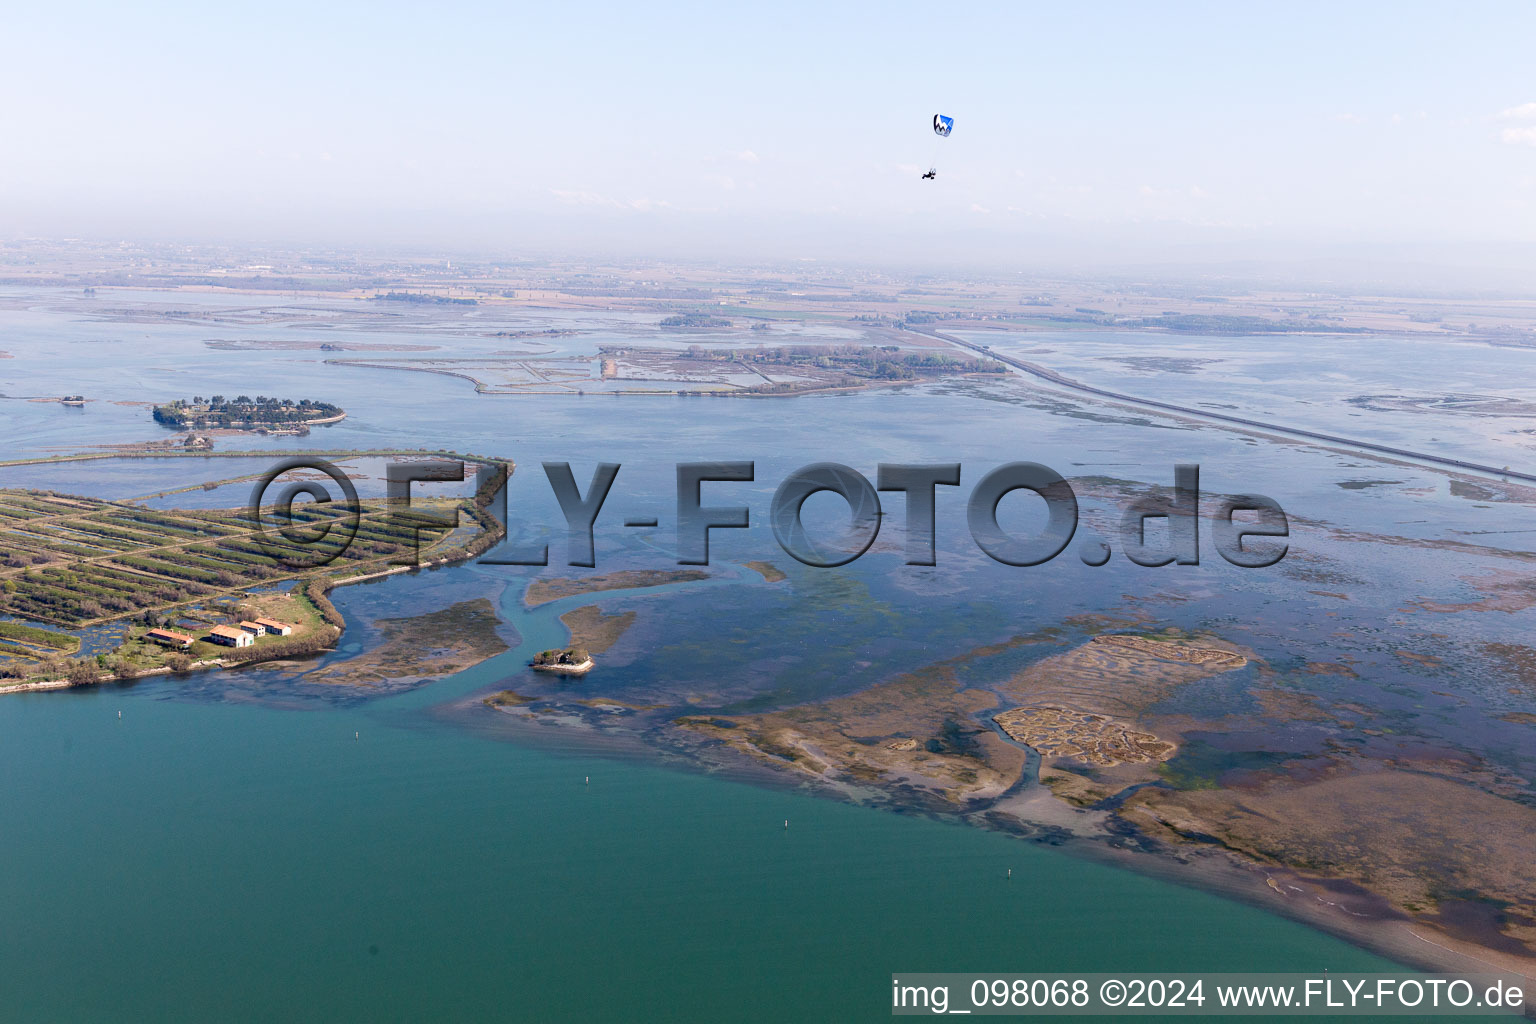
x: 1034, y: 816
x: 1358, y: 917
x: 869, y: 748
x: 1317, y: 903
x: 164, y: 670
x: 148, y: 451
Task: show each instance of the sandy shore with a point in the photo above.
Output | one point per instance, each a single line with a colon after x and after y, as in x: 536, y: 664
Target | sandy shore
x: 1339, y: 909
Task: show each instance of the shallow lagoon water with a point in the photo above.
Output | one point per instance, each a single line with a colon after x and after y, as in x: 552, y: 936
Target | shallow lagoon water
x: 229, y: 848
x: 1361, y: 386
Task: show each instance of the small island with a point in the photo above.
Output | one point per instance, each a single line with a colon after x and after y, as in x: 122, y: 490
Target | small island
x: 695, y: 321
x: 542, y: 591
x: 246, y: 413
x: 422, y: 298
x: 570, y: 661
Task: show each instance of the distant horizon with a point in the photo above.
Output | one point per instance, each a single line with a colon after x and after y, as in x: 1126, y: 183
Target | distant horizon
x: 1125, y: 136
x: 1477, y: 274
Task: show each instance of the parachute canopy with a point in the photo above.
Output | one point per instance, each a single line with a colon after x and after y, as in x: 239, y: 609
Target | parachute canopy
x: 943, y: 125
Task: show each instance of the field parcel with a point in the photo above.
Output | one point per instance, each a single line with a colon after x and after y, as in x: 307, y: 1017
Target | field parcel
x: 79, y: 563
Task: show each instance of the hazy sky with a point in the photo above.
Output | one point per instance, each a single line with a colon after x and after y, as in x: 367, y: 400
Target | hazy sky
x: 1095, y: 132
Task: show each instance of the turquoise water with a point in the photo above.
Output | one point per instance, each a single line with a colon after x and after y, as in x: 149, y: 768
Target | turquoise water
x: 203, y: 861
x: 195, y: 861
x: 228, y: 850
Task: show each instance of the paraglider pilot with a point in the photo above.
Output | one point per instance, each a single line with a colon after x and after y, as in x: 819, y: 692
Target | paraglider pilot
x: 942, y: 126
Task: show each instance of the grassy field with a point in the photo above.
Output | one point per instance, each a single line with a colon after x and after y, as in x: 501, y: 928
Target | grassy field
x: 46, y: 638
x: 74, y: 562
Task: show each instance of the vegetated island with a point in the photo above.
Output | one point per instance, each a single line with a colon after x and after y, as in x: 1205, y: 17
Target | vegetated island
x: 418, y: 648
x: 769, y: 572
x: 177, y: 590
x: 570, y: 661
x: 421, y: 298
x: 246, y: 413
x: 790, y: 369
x: 694, y: 322
x: 755, y: 372
x: 595, y: 630
x: 543, y: 591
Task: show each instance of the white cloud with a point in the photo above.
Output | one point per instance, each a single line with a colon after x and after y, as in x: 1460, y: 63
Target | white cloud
x: 576, y: 197
x: 978, y: 208
x: 1172, y: 193
x: 1520, y: 136
x: 1524, y: 112
x: 746, y: 156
